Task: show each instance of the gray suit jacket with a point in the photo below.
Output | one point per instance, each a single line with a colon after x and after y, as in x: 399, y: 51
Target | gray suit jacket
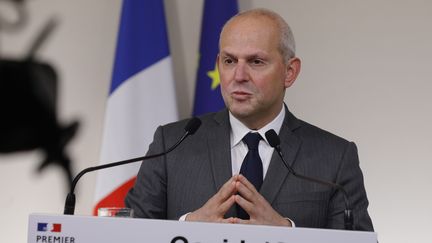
x: 182, y: 181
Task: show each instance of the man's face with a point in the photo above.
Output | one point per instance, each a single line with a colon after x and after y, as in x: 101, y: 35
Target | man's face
x: 252, y: 71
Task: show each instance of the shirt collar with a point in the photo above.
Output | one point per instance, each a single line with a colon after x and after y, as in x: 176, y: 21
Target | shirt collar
x: 239, y: 130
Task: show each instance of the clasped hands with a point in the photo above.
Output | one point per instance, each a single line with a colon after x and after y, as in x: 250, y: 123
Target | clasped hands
x: 238, y: 190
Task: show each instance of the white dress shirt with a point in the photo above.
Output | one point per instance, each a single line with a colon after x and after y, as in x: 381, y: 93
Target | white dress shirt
x: 239, y: 149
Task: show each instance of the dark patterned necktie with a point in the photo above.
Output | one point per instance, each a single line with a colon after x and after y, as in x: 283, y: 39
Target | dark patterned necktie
x: 251, y: 167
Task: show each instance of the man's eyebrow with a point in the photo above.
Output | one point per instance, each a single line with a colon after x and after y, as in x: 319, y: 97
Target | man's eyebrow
x: 255, y: 56
x: 226, y: 54
x: 259, y: 55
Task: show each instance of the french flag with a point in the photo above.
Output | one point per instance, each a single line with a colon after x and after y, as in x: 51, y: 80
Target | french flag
x: 43, y: 227
x: 141, y: 96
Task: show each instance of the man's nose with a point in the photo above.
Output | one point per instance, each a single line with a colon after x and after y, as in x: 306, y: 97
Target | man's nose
x: 241, y: 73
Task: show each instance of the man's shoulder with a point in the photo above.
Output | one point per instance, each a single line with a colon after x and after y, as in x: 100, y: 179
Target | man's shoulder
x: 309, y: 132
x: 208, y: 120
x: 322, y: 144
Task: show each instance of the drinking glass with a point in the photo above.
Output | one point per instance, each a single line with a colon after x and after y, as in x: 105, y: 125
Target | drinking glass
x: 115, y: 212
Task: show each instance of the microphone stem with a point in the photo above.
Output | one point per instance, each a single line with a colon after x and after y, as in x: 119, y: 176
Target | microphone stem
x: 348, y: 217
x: 70, y: 199
x: 109, y: 165
x: 326, y: 183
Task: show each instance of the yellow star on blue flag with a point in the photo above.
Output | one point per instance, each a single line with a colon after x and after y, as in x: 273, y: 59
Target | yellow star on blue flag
x: 214, y: 75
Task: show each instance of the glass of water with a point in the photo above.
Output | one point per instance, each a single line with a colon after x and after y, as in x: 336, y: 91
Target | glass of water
x: 115, y: 212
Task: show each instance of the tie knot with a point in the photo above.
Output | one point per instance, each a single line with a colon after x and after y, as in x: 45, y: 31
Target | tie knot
x: 252, y: 140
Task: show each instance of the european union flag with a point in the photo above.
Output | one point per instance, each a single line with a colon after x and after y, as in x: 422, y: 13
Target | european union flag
x: 208, y: 96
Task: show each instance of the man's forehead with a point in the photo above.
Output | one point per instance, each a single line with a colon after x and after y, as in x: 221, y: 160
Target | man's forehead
x: 250, y: 40
x: 251, y: 20
x: 249, y: 28
x: 234, y: 53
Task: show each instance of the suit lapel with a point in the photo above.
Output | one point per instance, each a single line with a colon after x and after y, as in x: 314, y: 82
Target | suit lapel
x: 219, y: 148
x: 277, y: 172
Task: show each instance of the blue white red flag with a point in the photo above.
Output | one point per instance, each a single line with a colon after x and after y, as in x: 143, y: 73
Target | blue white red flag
x: 141, y: 96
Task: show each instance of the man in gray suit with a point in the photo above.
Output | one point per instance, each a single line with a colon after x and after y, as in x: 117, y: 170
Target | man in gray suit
x: 200, y: 180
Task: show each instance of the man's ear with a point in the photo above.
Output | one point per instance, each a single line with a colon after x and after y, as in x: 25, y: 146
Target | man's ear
x: 292, y: 71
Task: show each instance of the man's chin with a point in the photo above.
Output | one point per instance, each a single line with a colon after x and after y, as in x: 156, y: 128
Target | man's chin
x: 241, y: 111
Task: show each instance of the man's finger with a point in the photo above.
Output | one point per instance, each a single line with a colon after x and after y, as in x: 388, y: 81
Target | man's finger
x: 230, y: 220
x: 241, y: 221
x: 246, y: 192
x: 226, y: 190
x: 225, y: 206
x: 245, y: 204
x: 246, y: 182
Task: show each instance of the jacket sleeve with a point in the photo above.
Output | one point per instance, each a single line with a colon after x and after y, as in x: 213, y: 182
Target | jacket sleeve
x: 351, y: 178
x: 148, y: 196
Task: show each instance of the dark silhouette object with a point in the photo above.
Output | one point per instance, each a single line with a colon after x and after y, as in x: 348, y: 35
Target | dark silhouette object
x: 28, y: 117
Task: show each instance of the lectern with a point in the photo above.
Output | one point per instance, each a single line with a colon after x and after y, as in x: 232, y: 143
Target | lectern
x: 44, y: 228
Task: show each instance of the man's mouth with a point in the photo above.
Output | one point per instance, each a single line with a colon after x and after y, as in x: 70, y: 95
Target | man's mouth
x: 240, y: 95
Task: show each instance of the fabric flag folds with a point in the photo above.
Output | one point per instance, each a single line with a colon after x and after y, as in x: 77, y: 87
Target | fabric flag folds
x: 207, y: 92
x: 141, y: 96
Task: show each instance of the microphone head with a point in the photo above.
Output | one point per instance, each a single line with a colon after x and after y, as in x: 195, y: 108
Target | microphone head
x: 193, y: 125
x: 272, y: 138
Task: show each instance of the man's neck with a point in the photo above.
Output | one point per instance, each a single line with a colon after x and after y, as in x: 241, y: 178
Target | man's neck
x: 256, y: 123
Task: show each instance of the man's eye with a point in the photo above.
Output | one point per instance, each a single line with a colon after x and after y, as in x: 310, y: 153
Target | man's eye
x: 228, y: 61
x: 257, y: 62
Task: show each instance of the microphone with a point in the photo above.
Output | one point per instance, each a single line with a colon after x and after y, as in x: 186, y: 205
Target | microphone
x: 274, y: 141
x: 190, y: 128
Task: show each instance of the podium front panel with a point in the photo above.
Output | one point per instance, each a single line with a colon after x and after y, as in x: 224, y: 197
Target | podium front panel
x: 89, y: 229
